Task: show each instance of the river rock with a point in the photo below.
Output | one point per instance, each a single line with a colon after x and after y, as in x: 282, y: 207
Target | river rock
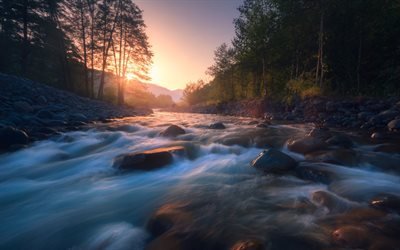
x: 317, y: 172
x: 341, y: 141
x: 379, y: 136
x: 386, y: 202
x: 306, y: 145
x: 321, y: 133
x: 167, y: 217
x: 248, y: 245
x: 147, y: 160
x: 237, y: 140
x: 217, y: 125
x: 173, y: 131
x: 394, y: 125
x: 168, y: 242
x: 347, y: 157
x: 78, y: 117
x: 23, y: 106
x: 10, y: 136
x: 264, y: 124
x: 333, y: 202
x: 273, y: 161
x: 45, y: 114
x: 388, y: 148
x: 351, y: 236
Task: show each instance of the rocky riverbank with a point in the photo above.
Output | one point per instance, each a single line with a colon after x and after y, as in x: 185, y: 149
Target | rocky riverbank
x: 351, y: 113
x: 32, y: 111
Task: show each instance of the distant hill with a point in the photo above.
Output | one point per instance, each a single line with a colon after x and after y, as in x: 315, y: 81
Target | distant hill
x: 158, y: 90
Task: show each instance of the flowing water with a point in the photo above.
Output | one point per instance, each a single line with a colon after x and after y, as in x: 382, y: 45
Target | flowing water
x: 63, y: 193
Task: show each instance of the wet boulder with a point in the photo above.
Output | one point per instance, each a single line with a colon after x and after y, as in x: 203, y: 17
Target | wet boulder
x: 217, y: 125
x: 347, y: 157
x: 264, y: 124
x: 306, y: 145
x: 322, y: 133
x: 379, y: 136
x: 274, y: 161
x: 388, y: 148
x: 333, y: 202
x: 167, y: 217
x: 78, y: 117
x: 10, y: 136
x: 237, y: 140
x: 45, y: 114
x: 316, y: 172
x: 394, y: 125
x: 173, y: 131
x: 351, y: 236
x: 23, y: 106
x: 386, y: 202
x: 248, y: 245
x: 341, y: 141
x: 147, y: 160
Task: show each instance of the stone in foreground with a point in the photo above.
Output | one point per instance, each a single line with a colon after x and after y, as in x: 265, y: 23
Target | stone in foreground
x: 217, y: 125
x: 394, y: 125
x: 10, y: 136
x: 173, y: 131
x: 273, y: 161
x: 147, y: 160
x: 306, y: 145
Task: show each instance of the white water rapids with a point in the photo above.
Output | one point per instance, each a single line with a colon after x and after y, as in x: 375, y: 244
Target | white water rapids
x: 63, y: 193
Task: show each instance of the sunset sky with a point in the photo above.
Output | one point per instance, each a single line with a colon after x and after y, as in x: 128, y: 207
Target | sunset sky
x: 184, y: 35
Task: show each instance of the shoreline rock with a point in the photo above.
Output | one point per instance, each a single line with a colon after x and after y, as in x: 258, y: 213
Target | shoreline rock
x: 368, y: 114
x: 40, y: 111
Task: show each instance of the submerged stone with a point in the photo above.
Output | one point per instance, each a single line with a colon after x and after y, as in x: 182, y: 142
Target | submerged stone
x: 217, y: 125
x: 340, y: 140
x: 386, y: 202
x: 273, y: 161
x: 10, y: 136
x: 394, y: 125
x: 167, y: 217
x: 248, y: 245
x: 306, y: 145
x: 351, y: 236
x: 147, y: 160
x: 173, y: 131
x: 316, y: 172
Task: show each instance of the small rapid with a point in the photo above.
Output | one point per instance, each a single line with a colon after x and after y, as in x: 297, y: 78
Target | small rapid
x: 63, y: 193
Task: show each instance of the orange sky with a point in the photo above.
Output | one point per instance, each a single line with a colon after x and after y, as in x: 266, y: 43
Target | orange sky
x: 184, y: 35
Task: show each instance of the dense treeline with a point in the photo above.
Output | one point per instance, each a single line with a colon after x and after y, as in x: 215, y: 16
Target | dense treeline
x: 74, y: 44
x: 285, y: 49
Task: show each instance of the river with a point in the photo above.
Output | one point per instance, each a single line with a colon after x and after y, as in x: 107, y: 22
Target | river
x: 63, y: 193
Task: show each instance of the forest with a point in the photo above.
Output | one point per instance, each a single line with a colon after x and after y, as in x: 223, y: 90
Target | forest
x: 286, y: 50
x: 76, y: 45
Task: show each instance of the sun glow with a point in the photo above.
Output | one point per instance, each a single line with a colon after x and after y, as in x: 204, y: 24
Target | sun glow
x: 129, y: 76
x: 154, y: 74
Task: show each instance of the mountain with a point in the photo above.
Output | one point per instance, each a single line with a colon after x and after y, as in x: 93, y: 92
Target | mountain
x: 159, y: 90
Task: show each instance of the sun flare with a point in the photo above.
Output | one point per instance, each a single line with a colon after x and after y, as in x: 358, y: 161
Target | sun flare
x: 154, y: 74
x: 129, y: 76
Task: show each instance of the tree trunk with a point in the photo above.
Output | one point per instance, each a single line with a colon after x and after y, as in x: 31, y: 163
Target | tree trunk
x: 91, y: 87
x: 319, y: 72
x: 83, y: 33
x: 106, y: 48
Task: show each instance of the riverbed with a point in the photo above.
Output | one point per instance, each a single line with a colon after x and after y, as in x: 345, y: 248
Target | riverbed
x: 63, y: 193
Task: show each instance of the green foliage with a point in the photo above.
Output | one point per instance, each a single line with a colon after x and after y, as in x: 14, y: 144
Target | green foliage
x: 285, y: 49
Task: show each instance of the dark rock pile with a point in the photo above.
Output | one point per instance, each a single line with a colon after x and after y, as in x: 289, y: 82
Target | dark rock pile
x: 364, y: 113
x: 31, y: 111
